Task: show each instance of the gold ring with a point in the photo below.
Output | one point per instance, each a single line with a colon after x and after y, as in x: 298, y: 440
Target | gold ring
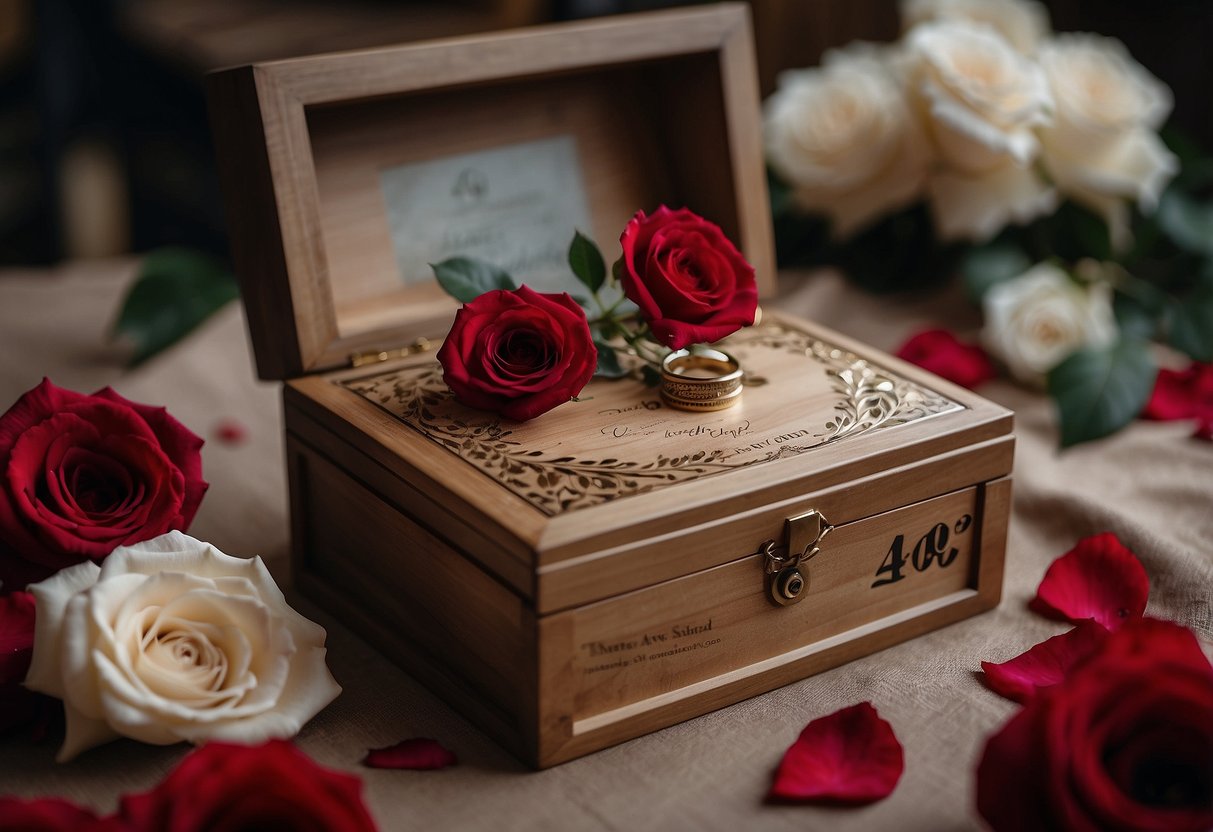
x: 700, y: 379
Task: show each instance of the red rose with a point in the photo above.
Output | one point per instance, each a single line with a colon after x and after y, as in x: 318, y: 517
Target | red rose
x: 690, y: 282
x: 944, y: 355
x: 270, y: 786
x: 51, y: 814
x: 518, y: 353
x: 81, y: 475
x: 1125, y: 742
x: 18, y: 706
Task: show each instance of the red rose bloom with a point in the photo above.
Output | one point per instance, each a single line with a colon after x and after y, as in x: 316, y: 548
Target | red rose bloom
x: 518, y: 353
x: 51, y: 814
x: 1125, y: 742
x: 231, y: 787
x: 18, y: 706
x: 81, y: 475
x: 946, y: 356
x: 690, y: 282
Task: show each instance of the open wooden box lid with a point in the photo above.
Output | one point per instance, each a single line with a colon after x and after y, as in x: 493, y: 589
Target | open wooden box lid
x: 345, y: 175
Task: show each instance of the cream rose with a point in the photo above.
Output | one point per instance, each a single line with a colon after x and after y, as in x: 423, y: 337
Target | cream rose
x: 983, y: 102
x: 1035, y: 321
x: 844, y: 138
x: 173, y: 640
x: 1023, y: 23
x: 1101, y: 148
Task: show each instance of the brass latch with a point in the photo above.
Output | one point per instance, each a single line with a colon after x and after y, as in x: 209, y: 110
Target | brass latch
x: 786, y: 581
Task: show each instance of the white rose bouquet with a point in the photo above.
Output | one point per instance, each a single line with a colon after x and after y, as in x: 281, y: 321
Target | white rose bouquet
x: 1029, y: 162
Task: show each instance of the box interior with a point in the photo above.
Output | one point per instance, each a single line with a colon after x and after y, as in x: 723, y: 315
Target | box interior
x: 645, y: 134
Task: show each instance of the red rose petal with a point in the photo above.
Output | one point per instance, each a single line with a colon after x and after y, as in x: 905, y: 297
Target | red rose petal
x: 1098, y: 579
x: 1182, y: 394
x: 946, y: 356
x: 848, y: 757
x: 418, y: 754
x: 230, y: 432
x: 50, y: 814
x: 1045, y: 664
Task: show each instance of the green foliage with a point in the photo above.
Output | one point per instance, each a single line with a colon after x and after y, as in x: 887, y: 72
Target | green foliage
x: 983, y: 266
x: 586, y: 261
x: 1188, y: 222
x: 899, y: 254
x: 176, y: 290
x: 1191, y: 324
x: 466, y: 279
x: 1099, y: 391
x: 608, y: 362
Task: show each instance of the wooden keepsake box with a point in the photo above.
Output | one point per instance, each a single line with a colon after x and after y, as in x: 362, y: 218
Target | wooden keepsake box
x: 613, y: 566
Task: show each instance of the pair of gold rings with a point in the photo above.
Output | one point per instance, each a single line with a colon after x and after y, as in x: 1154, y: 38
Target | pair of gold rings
x: 700, y: 379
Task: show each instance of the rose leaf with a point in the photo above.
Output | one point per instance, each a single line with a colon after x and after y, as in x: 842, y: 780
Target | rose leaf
x: 984, y: 266
x: 1191, y: 324
x: 177, y: 289
x: 1045, y: 664
x: 418, y: 754
x: 586, y: 261
x: 1098, y: 579
x: 608, y: 362
x: 1187, y: 222
x: 1100, y: 390
x: 465, y: 278
x: 849, y: 757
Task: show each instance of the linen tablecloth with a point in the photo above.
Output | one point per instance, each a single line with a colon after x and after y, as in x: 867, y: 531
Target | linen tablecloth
x: 1151, y: 484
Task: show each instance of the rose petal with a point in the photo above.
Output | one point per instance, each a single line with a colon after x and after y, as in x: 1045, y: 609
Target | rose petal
x: 1098, y: 579
x: 230, y: 432
x: 417, y: 754
x: 1182, y: 394
x: 942, y: 353
x: 1045, y: 664
x: 49, y: 814
x: 848, y: 757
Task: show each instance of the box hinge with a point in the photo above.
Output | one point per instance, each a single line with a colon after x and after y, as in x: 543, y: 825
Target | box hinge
x: 361, y: 359
x: 786, y: 580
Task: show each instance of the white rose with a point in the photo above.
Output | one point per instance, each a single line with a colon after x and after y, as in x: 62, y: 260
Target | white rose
x: 1102, y: 149
x: 173, y: 640
x: 983, y: 102
x: 844, y: 138
x: 984, y: 99
x: 1035, y: 321
x: 1023, y: 23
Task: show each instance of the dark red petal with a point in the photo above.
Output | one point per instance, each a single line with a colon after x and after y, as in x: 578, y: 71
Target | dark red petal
x: 942, y: 353
x: 418, y: 754
x: 230, y: 432
x: 1045, y: 664
x: 1182, y: 394
x: 1011, y: 788
x: 48, y: 814
x: 1098, y: 579
x: 848, y: 757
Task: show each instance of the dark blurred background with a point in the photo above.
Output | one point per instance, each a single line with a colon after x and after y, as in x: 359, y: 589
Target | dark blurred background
x: 104, y: 140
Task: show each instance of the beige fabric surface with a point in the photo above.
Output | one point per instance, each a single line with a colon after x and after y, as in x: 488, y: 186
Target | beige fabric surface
x: 1151, y: 484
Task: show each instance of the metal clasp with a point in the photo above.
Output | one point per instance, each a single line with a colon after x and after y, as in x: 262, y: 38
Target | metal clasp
x: 786, y: 581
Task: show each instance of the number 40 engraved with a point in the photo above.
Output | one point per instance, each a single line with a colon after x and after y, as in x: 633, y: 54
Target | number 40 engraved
x: 932, y: 547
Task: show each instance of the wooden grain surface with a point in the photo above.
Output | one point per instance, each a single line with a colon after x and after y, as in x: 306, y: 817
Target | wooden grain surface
x: 307, y: 134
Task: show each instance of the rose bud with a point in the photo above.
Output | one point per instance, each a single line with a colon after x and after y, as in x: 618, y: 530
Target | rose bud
x: 519, y: 353
x: 690, y: 282
x: 80, y: 475
x: 1124, y: 742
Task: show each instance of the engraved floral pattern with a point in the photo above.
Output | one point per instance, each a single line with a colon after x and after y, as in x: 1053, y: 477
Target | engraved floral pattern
x: 868, y: 399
